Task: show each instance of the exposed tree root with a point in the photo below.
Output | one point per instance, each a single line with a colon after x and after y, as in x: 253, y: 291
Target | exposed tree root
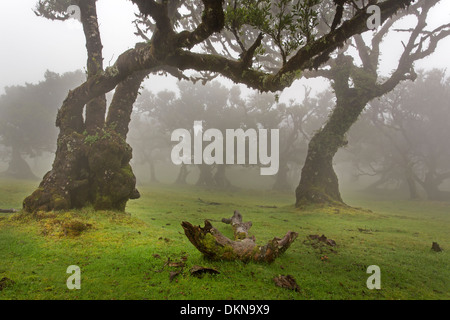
x: 214, y: 245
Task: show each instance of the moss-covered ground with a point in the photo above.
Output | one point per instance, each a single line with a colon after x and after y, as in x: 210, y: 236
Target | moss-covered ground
x: 132, y: 255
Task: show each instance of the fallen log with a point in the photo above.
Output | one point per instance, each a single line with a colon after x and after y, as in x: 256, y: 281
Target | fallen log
x: 214, y: 245
x: 8, y: 210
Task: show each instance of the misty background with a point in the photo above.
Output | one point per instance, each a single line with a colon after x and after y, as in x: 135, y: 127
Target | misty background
x: 41, y: 60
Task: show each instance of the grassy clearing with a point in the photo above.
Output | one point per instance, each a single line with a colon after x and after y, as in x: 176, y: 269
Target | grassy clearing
x: 124, y: 256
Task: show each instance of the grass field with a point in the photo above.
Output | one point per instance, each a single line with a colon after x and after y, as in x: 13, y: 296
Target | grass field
x: 131, y: 256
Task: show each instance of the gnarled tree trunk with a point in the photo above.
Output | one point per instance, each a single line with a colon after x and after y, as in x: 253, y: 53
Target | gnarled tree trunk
x: 18, y: 168
x: 92, y: 160
x: 319, y: 182
x: 182, y: 175
x: 92, y: 168
x: 206, y: 177
x: 220, y: 178
x: 431, y: 183
x: 281, y: 178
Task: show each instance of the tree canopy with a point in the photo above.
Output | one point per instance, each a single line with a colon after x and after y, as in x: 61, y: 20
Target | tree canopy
x: 265, y: 45
x: 402, y: 137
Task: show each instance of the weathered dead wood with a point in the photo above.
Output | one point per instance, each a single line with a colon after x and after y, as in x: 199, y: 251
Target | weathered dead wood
x: 435, y: 247
x: 214, y: 245
x: 240, y: 228
x: 287, y: 282
x: 198, y: 271
x: 8, y: 211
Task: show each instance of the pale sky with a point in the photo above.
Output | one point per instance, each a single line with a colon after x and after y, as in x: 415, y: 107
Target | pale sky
x: 30, y: 45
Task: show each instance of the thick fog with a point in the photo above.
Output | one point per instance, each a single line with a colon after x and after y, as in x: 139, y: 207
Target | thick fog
x: 405, y: 130
x: 31, y: 45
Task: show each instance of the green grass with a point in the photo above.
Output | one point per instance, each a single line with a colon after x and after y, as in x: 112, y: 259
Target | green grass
x: 124, y: 256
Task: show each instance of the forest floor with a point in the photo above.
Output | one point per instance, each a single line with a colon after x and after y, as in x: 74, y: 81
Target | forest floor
x: 144, y: 253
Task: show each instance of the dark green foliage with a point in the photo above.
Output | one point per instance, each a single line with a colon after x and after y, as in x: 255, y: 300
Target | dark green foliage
x: 54, y: 9
x: 287, y: 24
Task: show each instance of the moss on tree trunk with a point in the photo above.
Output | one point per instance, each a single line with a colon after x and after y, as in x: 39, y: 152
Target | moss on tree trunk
x: 88, y: 170
x: 214, y: 245
x: 319, y: 182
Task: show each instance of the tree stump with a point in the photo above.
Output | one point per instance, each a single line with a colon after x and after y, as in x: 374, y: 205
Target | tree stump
x: 214, y: 245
